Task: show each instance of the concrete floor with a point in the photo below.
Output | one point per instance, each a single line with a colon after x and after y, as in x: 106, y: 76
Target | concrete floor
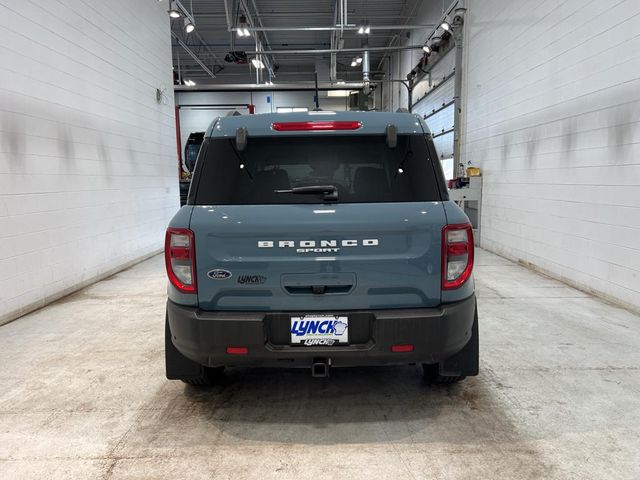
x: 83, y: 395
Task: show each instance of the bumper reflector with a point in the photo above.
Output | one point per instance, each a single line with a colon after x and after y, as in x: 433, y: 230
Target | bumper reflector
x: 237, y: 350
x: 402, y: 348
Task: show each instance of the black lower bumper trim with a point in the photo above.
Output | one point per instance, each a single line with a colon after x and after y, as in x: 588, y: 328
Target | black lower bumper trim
x: 435, y: 333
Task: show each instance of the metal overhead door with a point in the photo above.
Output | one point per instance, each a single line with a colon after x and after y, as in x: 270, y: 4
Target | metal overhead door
x: 435, y: 93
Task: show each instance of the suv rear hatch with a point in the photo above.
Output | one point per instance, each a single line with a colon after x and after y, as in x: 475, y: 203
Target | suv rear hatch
x: 265, y: 243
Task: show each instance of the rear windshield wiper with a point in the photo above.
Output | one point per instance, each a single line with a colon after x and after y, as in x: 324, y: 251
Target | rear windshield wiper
x: 330, y: 192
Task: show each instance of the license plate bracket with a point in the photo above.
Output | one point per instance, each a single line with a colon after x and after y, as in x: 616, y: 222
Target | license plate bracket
x: 319, y: 330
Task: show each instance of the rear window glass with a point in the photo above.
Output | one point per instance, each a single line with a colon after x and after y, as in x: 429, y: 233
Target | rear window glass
x: 361, y: 167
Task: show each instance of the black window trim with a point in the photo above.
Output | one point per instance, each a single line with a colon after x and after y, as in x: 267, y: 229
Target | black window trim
x: 433, y: 156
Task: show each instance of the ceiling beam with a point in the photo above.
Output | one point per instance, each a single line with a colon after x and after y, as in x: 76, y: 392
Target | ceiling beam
x: 193, y: 55
x: 409, y: 15
x: 252, y: 26
x: 227, y: 15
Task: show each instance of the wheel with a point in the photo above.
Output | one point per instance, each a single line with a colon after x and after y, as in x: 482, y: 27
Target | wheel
x: 432, y: 375
x: 209, y: 376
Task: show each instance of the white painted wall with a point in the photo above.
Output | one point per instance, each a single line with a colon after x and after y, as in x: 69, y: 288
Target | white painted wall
x: 88, y: 169
x: 553, y: 118
x: 197, y: 120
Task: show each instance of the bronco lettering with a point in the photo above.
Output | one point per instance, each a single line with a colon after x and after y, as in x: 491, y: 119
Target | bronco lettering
x: 322, y: 246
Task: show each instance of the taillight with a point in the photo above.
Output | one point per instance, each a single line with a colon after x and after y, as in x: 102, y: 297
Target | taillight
x: 180, y: 258
x: 457, y: 255
x: 315, y: 126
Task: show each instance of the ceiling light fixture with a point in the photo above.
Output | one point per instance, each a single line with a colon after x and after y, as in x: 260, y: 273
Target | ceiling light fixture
x: 354, y: 63
x: 257, y: 63
x: 358, y: 60
x: 173, y: 10
x: 338, y: 93
x: 446, y: 26
x: 364, y: 30
x: 188, y: 26
x: 426, y: 48
x: 242, y: 30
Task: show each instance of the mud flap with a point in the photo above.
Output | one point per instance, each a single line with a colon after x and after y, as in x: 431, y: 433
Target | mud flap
x: 177, y: 365
x: 466, y: 361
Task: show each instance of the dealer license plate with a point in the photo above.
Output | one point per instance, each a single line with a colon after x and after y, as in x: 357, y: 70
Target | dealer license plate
x: 319, y: 330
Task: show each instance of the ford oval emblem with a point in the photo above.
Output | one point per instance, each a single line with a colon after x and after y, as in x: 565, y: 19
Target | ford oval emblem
x: 219, y: 274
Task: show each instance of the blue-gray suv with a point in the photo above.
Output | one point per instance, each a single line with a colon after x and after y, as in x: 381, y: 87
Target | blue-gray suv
x: 319, y: 240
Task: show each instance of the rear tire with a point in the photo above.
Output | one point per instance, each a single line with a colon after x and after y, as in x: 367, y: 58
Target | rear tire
x: 432, y: 375
x: 210, y: 376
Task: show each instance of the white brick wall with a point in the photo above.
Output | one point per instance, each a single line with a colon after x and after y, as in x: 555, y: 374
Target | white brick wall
x: 88, y: 168
x: 553, y: 118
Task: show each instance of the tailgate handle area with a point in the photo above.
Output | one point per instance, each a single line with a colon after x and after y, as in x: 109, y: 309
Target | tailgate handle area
x: 319, y: 283
x: 317, y: 289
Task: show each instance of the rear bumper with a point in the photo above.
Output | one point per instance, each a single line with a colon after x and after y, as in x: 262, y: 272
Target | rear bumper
x: 435, y: 333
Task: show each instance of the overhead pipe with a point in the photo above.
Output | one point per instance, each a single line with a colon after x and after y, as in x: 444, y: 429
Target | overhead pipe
x: 338, y: 50
x: 333, y: 67
x: 293, y: 86
x: 346, y: 13
x: 458, y: 36
x: 389, y: 76
x: 365, y: 69
x: 306, y: 15
x: 339, y: 27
